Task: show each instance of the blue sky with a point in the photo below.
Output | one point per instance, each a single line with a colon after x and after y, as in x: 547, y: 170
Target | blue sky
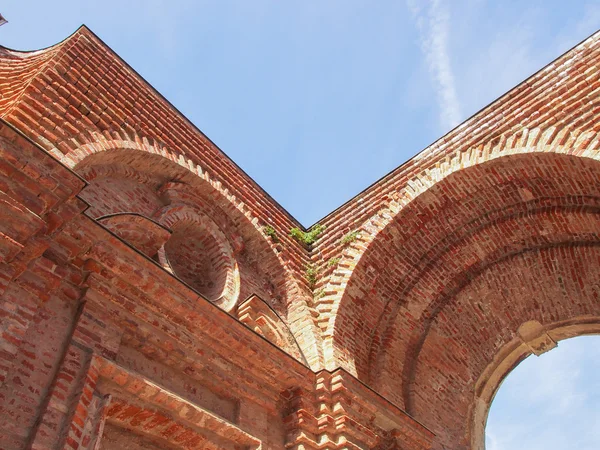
x: 550, y: 402
x: 317, y: 99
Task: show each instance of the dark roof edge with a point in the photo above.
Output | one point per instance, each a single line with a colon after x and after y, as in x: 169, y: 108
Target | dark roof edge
x: 195, y: 127
x: 392, y: 172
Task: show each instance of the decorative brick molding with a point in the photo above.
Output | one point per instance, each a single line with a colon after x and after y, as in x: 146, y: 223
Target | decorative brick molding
x: 145, y: 408
x: 127, y: 239
x: 340, y: 413
x: 257, y: 315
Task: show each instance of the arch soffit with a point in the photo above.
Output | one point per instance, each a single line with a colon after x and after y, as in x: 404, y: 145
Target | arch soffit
x: 554, y: 140
x: 469, y: 343
x: 404, y: 369
x: 78, y: 148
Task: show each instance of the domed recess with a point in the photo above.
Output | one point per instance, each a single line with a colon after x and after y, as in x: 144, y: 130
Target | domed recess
x: 201, y: 258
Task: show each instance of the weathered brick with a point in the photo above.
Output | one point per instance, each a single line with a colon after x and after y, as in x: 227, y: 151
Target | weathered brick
x: 142, y: 304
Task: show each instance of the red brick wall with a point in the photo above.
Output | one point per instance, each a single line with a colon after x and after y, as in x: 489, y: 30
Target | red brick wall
x: 101, y: 346
x: 119, y: 287
x: 117, y: 195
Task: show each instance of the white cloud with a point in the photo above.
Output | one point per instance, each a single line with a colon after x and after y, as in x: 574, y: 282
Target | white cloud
x: 497, y: 52
x: 433, y: 26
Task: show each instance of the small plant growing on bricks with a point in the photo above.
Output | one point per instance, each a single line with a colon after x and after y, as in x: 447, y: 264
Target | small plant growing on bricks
x: 350, y: 237
x: 333, y: 261
x: 311, y: 275
x: 268, y: 230
x: 307, y: 237
x: 319, y: 294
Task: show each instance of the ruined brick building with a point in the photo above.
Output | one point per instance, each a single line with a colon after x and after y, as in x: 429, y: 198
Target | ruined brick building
x: 151, y: 296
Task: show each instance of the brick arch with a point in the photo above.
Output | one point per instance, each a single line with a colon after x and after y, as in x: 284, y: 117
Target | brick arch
x: 401, y: 360
x: 340, y: 338
x: 536, y: 339
x: 505, y: 217
x: 199, y: 253
x: 92, y: 172
x: 78, y: 151
x: 535, y: 299
x: 89, y: 143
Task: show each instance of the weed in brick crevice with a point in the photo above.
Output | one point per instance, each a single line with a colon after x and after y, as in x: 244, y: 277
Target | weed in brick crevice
x: 350, y: 237
x: 311, y: 275
x: 307, y: 237
x: 268, y: 230
x: 333, y: 261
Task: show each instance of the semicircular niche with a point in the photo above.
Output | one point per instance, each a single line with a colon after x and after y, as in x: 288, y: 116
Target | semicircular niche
x: 199, y: 254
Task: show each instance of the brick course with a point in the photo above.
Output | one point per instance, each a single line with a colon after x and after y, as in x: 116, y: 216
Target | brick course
x: 142, y: 304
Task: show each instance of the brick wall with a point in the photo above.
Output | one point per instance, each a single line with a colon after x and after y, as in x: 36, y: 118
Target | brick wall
x: 143, y: 305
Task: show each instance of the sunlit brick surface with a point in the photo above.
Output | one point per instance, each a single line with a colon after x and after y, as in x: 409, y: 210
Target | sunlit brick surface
x: 142, y: 304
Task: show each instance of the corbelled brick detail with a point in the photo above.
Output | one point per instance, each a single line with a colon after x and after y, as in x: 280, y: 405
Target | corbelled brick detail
x: 143, y: 304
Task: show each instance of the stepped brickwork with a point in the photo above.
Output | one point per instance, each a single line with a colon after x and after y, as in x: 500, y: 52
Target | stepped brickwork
x: 151, y: 295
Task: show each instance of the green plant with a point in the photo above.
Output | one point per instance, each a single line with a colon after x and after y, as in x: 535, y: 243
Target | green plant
x: 307, y: 237
x: 333, y: 261
x: 320, y: 293
x: 270, y: 231
x: 311, y: 275
x: 350, y: 237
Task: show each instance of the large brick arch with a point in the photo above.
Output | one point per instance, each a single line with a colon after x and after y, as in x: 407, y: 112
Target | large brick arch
x: 361, y: 304
x: 175, y: 177
x: 454, y: 275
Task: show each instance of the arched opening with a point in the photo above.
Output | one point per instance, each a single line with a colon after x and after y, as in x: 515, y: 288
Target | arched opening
x: 549, y: 402
x: 457, y: 272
